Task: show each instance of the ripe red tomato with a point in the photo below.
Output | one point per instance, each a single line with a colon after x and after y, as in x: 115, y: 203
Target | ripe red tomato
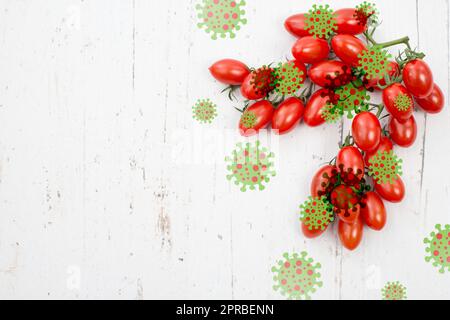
x: 255, y: 118
x: 398, y: 102
x: 249, y: 90
x: 351, y: 234
x: 348, y: 23
x: 330, y: 74
x: 418, y: 78
x: 375, y: 83
x: 295, y: 25
x: 229, y: 71
x: 394, y: 192
x: 287, y: 116
x: 385, y: 145
x: 366, y: 130
x: 320, y: 180
x: 350, y: 159
x: 348, y: 48
x: 434, y: 103
x: 311, y: 50
x: 314, y: 108
x: 373, y: 211
x: 403, y: 134
x: 311, y: 234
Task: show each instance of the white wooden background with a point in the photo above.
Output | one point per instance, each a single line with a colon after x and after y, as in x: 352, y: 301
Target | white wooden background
x: 95, y: 103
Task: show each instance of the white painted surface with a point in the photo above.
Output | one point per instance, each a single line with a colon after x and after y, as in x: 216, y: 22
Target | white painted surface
x: 95, y: 98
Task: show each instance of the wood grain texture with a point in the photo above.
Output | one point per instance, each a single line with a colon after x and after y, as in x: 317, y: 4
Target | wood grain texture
x: 109, y: 189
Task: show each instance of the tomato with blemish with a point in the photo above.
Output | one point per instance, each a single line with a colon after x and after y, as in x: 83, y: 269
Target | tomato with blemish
x: 366, y: 130
x: 320, y: 180
x: 311, y: 50
x: 373, y: 211
x: 403, y: 134
x: 385, y: 145
x: 229, y: 71
x: 255, y: 118
x: 287, y: 116
x: 418, y: 78
x: 350, y: 160
x: 250, y: 91
x: 348, y: 48
x: 330, y: 74
x: 434, y: 103
x: 348, y: 23
x: 311, y: 234
x: 398, y: 101
x: 351, y: 234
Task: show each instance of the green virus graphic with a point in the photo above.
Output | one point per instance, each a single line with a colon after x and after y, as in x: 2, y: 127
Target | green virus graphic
x: 351, y: 99
x: 330, y: 113
x: 403, y: 102
x: 316, y: 213
x: 394, y: 291
x: 321, y: 21
x: 204, y: 111
x: 385, y: 167
x: 250, y: 166
x: 288, y: 78
x: 262, y: 80
x: 366, y: 13
x: 248, y: 120
x: 374, y: 62
x: 438, y: 248
x: 296, y: 276
x: 221, y: 17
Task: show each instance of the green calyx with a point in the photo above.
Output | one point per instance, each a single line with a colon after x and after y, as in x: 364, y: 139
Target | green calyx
x: 403, y: 102
x: 385, y: 167
x: 316, y: 213
x: 321, y: 21
x: 288, y: 78
x: 374, y: 62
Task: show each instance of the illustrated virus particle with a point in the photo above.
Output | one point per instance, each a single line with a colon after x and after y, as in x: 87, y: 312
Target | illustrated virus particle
x: 248, y: 120
x: 385, y: 167
x: 288, y: 78
x: 403, y: 102
x: 394, y: 291
x: 221, y: 17
x: 331, y: 113
x: 262, y: 80
x: 296, y: 276
x: 321, y: 21
x: 366, y: 12
x: 438, y: 248
x: 374, y: 62
x: 250, y: 166
x: 204, y: 111
x: 316, y: 213
x: 351, y: 99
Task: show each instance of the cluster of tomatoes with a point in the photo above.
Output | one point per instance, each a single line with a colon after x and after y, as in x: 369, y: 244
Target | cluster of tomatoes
x: 337, y: 52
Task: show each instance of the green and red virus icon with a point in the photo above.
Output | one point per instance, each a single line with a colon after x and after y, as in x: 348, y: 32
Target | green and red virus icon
x: 438, y: 248
x: 221, y: 17
x: 204, y: 111
x: 403, y: 102
x: 331, y: 114
x: 374, y: 62
x: 366, y: 13
x: 316, y: 213
x: 351, y: 99
x: 321, y: 21
x: 251, y: 166
x: 394, y: 291
x: 262, y: 80
x: 249, y: 120
x: 385, y: 167
x: 288, y: 78
x: 296, y: 276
